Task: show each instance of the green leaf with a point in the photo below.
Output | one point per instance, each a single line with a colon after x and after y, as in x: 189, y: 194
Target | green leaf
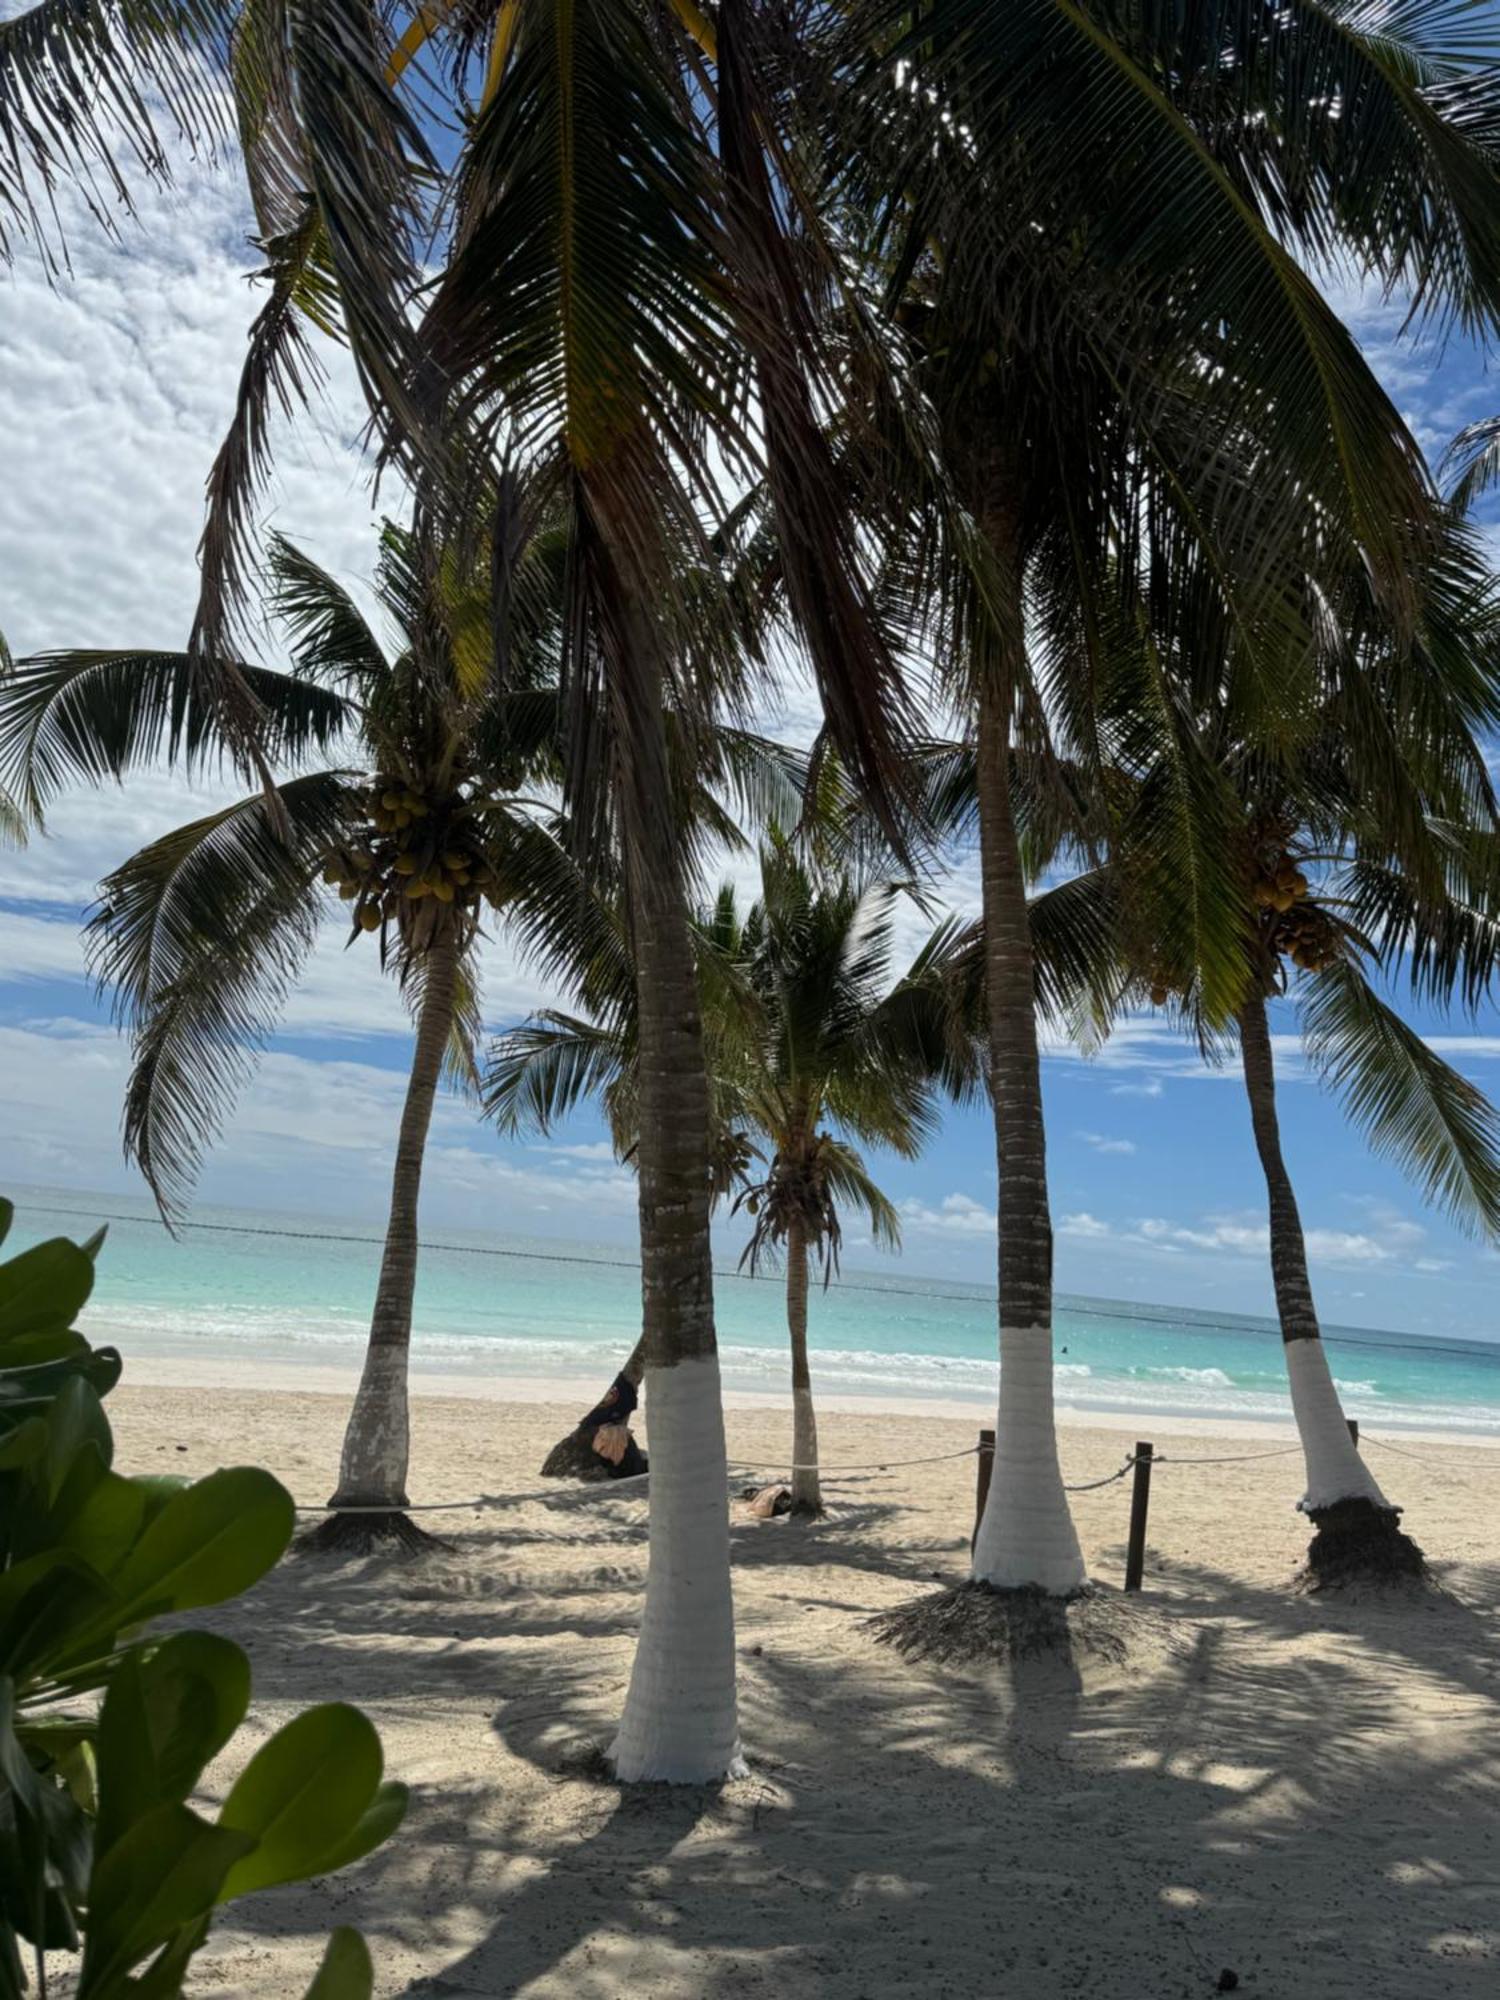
x: 45, y: 1286
x: 345, y: 1972
x: 164, y: 1873
x: 166, y: 1713
x: 375, y: 1825
x: 211, y: 1541
x: 303, y: 1795
x: 49, y: 1605
x: 23, y: 1445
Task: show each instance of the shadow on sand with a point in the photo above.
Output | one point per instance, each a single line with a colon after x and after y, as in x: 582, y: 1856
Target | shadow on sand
x: 1304, y: 1792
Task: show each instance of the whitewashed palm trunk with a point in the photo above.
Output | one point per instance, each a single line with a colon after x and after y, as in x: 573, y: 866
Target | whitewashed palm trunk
x: 680, y: 1721
x: 377, y: 1440
x: 807, y: 1492
x: 1334, y: 1469
x: 1026, y: 1537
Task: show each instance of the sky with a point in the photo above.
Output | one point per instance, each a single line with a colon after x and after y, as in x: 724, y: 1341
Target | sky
x: 115, y: 384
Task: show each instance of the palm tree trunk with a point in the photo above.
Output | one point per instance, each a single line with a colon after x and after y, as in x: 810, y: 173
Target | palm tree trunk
x: 807, y: 1495
x: 372, y: 1470
x: 1026, y: 1537
x: 1356, y: 1525
x: 680, y: 1720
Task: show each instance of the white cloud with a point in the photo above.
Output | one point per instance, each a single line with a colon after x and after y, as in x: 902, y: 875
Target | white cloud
x: 1102, y: 1143
x: 325, y: 1128
x: 1249, y: 1236
x: 1085, y: 1225
x: 1152, y: 1087
x: 956, y: 1214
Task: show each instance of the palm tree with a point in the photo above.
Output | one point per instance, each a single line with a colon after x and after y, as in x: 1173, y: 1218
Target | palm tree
x: 1086, y: 226
x: 1361, y: 851
x: 623, y: 303
x: 814, y: 1051
x: 418, y: 827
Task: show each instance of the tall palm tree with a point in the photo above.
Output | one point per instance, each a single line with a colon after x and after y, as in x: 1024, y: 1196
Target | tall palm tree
x: 1363, y: 852
x: 814, y: 1051
x: 419, y: 826
x: 622, y: 300
x: 1088, y: 224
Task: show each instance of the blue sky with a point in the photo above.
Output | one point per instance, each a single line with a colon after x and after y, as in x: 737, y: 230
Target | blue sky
x: 114, y: 388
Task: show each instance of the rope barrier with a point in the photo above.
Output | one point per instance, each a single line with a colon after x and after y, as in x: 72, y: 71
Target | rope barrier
x: 483, y: 1500
x: 1093, y: 1484
x: 870, y: 1465
x: 1230, y: 1458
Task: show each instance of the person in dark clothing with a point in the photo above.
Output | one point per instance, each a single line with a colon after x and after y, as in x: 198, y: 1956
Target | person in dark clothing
x: 607, y: 1427
x: 600, y: 1446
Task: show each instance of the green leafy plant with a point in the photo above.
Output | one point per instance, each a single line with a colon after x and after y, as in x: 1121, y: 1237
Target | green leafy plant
x: 106, y: 1728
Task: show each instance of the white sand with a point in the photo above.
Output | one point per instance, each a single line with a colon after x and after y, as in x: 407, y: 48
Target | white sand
x: 1308, y: 1793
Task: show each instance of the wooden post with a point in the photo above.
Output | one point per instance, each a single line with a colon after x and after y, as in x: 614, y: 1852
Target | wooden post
x: 982, y: 1470
x: 1140, y: 1502
x: 1353, y: 1423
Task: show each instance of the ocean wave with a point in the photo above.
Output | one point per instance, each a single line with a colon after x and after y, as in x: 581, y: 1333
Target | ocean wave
x: 593, y: 1347
x: 1213, y: 1377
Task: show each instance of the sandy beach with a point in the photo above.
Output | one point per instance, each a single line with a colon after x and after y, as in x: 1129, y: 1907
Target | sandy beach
x: 1302, y: 1792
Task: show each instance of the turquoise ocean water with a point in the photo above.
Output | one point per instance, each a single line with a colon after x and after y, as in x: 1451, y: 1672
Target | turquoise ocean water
x: 254, y: 1285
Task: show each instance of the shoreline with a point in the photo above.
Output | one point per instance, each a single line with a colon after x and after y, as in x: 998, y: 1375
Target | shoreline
x: 581, y: 1391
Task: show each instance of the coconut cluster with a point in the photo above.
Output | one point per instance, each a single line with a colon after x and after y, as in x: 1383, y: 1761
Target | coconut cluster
x: 1297, y: 928
x: 1307, y: 938
x: 416, y: 847
x: 1279, y: 886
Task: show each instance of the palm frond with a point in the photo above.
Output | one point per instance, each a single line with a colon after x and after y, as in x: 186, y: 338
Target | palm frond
x: 280, y: 372
x: 1079, y: 953
x: 198, y: 938
x: 849, y: 1182
x: 1446, y: 944
x: 1472, y: 462
x: 865, y: 701
x: 85, y: 86
x: 366, y: 160
x: 96, y: 715
x: 13, y: 825
x: 331, y: 641
x: 536, y: 1074
x: 1415, y: 1109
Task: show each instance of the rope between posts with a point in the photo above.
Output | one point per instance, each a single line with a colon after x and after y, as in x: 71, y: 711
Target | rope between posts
x: 484, y: 1500
x: 1109, y: 1479
x: 1229, y: 1458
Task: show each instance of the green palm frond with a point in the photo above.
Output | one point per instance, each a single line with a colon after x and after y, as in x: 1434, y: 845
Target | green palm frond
x: 93, y: 716
x: 1472, y: 462
x: 331, y: 641
x: 1177, y: 829
x: 198, y: 938
x: 367, y: 162
x: 13, y: 823
x: 1446, y: 945
x: 539, y: 1072
x: 849, y: 1181
x: 1415, y: 1109
x: 281, y: 373
x: 1018, y: 116
x: 583, y: 293
x: 1078, y: 948
x: 85, y: 86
